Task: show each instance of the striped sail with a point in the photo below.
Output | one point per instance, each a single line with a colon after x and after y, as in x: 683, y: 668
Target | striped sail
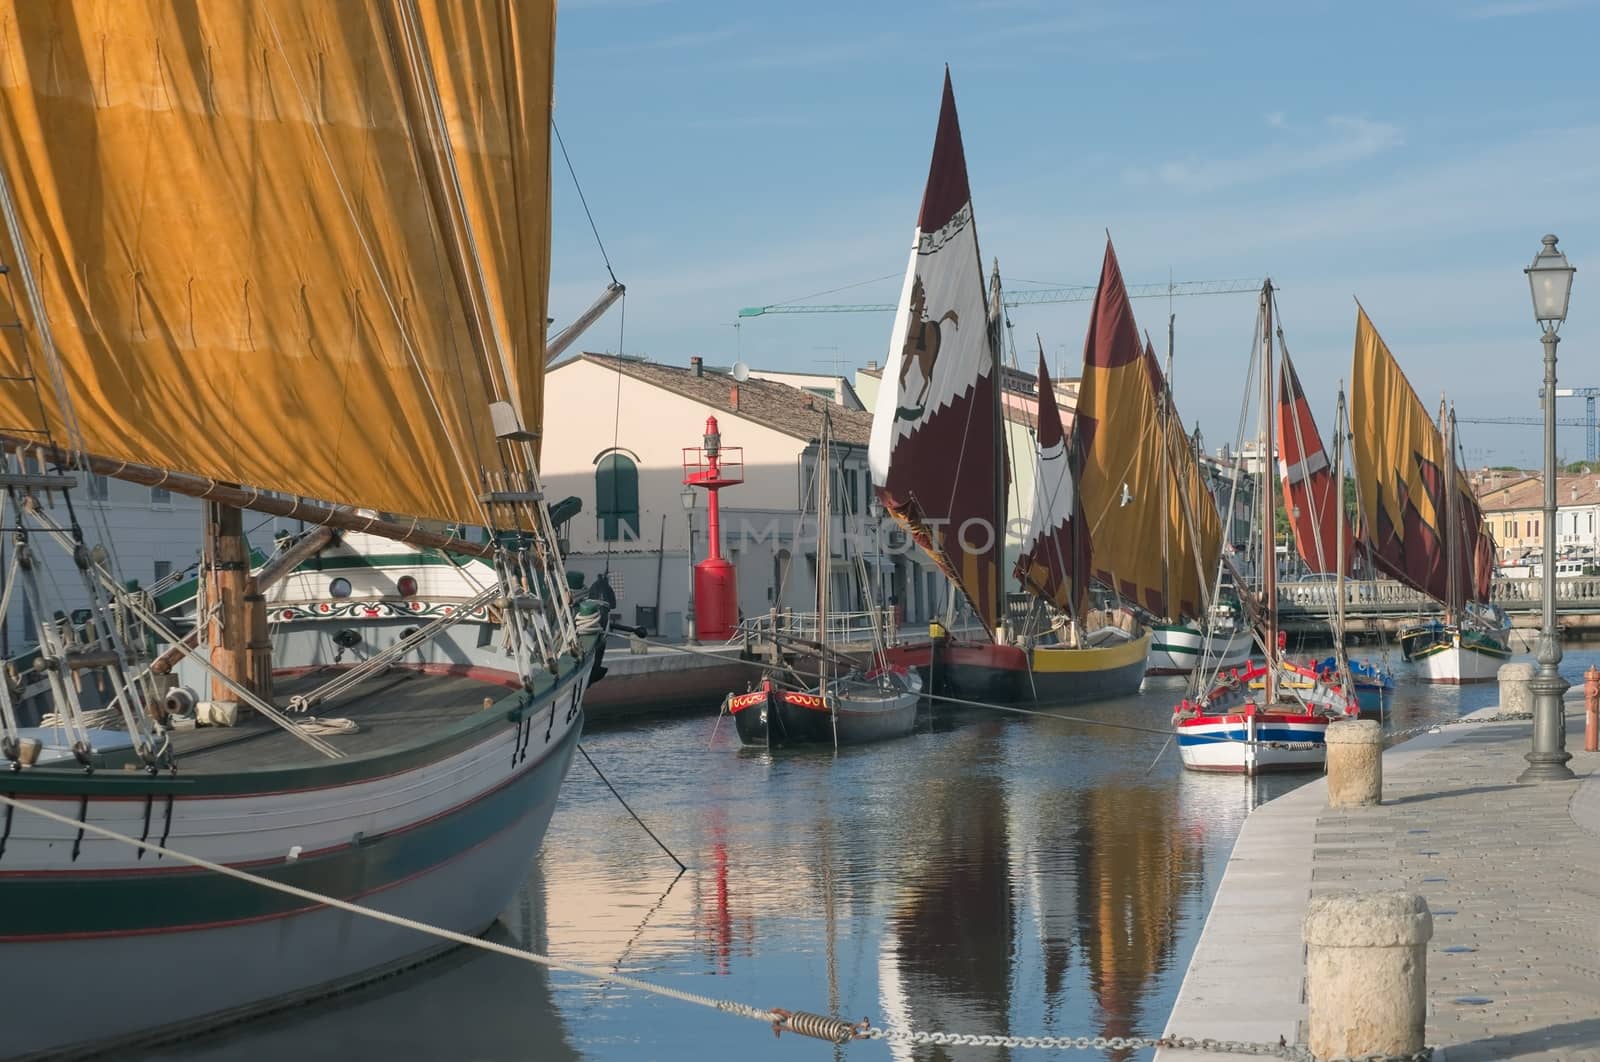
x: 1400, y: 467
x: 936, y: 452
x: 1312, y: 497
x: 1055, y: 558
x: 1130, y: 468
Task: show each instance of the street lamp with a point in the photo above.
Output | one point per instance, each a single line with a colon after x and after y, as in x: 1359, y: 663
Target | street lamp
x: 1550, y: 279
x: 688, y: 498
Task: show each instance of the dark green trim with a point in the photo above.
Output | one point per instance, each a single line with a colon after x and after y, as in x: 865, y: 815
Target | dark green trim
x: 175, y: 898
x: 70, y: 782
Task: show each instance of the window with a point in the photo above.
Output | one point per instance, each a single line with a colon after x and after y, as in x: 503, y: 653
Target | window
x: 163, y: 569
x: 616, y: 497
x: 852, y: 486
x: 340, y: 587
x: 160, y: 496
x: 99, y: 488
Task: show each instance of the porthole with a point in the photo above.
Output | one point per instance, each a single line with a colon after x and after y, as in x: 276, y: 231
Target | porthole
x: 340, y: 587
x: 408, y: 586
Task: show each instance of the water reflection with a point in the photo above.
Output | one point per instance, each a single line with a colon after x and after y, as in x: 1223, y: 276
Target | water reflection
x: 992, y: 874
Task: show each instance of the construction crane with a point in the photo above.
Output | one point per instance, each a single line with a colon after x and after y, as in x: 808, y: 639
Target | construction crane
x: 1591, y: 431
x: 1030, y: 297
x: 1587, y: 424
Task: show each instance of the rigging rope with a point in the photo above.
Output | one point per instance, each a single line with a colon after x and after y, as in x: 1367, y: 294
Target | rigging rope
x: 581, y: 198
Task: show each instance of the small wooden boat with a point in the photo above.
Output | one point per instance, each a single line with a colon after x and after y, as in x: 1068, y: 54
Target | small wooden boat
x: 1272, y: 715
x: 1372, y: 684
x: 1233, y: 729
x: 1180, y: 648
x: 1454, y: 655
x: 965, y: 669
x: 852, y: 710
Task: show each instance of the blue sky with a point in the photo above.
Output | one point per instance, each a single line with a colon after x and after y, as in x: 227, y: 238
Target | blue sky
x: 1409, y: 154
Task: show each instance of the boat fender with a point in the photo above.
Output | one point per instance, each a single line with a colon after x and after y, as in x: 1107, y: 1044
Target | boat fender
x: 181, y: 701
x: 217, y: 713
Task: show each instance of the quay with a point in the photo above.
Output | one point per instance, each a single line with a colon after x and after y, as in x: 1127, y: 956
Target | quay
x: 1383, y: 606
x: 1510, y: 871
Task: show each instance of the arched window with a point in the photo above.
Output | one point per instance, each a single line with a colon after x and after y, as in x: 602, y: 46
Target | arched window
x: 616, y: 497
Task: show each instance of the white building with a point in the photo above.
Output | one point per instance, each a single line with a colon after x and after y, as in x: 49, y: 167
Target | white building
x: 615, y: 430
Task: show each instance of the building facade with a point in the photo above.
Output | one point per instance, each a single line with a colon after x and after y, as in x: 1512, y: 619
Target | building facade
x: 616, y: 431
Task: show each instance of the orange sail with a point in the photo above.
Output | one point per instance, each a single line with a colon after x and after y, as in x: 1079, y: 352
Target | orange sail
x: 1311, y: 496
x: 1128, y: 474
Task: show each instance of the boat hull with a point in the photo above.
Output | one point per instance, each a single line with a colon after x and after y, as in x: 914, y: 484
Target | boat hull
x: 447, y: 841
x: 1221, y: 743
x: 968, y: 671
x: 1445, y: 655
x: 770, y: 717
x: 1063, y: 675
x: 1177, y: 648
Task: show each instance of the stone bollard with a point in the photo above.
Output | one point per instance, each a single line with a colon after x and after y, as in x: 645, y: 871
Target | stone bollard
x: 1367, y: 973
x: 1355, y: 763
x: 1515, y: 696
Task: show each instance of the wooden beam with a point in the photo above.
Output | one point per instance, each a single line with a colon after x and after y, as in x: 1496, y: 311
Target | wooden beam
x: 337, y: 517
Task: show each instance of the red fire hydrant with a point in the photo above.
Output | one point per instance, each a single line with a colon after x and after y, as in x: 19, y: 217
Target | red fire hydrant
x: 1591, y: 708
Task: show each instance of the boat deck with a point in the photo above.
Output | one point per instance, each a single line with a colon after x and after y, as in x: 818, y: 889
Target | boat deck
x: 390, y: 711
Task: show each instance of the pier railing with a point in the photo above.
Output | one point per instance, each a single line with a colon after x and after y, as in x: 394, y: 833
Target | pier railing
x: 1385, y: 597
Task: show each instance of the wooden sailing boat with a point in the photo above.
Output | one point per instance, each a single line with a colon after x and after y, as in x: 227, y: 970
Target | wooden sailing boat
x: 1422, y: 522
x: 1314, y: 499
x: 1271, y: 715
x: 302, y: 248
x: 938, y: 434
x: 847, y: 706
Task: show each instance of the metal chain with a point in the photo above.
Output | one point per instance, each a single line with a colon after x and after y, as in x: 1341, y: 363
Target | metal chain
x: 1513, y: 717
x: 1281, y: 1049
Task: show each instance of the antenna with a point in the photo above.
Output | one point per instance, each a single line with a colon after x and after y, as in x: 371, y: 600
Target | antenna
x: 741, y: 372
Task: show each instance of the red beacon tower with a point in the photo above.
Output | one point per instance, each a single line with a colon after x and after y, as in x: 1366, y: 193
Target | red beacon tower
x: 716, y: 590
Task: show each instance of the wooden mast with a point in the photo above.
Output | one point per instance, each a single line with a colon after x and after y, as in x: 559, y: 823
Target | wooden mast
x: 1269, y: 583
x: 241, y: 650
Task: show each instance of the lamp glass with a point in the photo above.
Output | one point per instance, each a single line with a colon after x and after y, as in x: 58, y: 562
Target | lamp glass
x: 1550, y: 280
x: 687, y: 497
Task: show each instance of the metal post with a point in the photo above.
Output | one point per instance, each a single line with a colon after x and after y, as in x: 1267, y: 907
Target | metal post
x: 1547, y: 761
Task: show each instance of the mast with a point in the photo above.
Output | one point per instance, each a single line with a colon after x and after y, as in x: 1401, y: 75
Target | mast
x: 1339, y: 652
x: 1163, y: 417
x: 1452, y: 536
x: 237, y: 627
x: 824, y: 561
x: 1269, y: 585
x: 1001, y: 465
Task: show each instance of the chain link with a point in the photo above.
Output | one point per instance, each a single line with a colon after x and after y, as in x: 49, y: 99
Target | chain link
x: 1281, y: 1049
x: 1513, y: 717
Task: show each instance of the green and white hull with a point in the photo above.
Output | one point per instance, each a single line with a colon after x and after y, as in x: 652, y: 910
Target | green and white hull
x: 1178, y: 648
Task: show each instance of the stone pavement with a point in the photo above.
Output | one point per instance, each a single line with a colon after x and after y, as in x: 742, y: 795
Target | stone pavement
x: 1511, y: 872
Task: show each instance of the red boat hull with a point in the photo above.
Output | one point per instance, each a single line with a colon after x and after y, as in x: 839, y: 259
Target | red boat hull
x: 968, y: 671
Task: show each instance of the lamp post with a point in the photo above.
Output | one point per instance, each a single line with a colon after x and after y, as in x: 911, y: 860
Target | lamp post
x: 875, y: 507
x: 688, y: 498
x: 1550, y: 278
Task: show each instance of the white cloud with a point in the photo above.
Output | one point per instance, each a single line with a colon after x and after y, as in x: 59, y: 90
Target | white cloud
x: 1338, y: 141
x: 1518, y: 8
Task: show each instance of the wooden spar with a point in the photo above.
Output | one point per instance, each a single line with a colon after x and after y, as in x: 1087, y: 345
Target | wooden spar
x: 312, y: 543
x: 563, y: 339
x: 336, y: 517
x: 232, y: 595
x: 1269, y: 509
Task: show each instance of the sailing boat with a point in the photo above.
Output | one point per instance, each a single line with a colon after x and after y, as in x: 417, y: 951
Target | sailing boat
x: 291, y: 257
x: 938, y: 452
x: 1270, y: 716
x: 1314, y: 499
x: 1422, y: 522
x: 848, y: 708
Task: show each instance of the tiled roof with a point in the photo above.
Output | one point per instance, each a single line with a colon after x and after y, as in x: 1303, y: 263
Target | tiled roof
x: 773, y: 405
x: 1528, y: 493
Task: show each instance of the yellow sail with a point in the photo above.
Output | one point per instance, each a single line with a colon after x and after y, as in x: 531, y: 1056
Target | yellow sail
x: 1134, y: 477
x: 299, y: 245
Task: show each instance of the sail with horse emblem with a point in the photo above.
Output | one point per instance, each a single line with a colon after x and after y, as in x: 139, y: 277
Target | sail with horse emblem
x: 938, y: 452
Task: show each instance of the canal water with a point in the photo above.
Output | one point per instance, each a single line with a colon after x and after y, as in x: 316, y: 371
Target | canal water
x: 995, y: 873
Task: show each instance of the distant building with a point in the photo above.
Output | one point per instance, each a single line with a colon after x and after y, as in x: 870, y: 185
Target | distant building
x: 1514, y: 511
x: 616, y: 429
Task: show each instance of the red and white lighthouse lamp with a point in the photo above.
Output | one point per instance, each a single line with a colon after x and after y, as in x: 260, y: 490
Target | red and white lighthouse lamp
x: 716, y: 590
